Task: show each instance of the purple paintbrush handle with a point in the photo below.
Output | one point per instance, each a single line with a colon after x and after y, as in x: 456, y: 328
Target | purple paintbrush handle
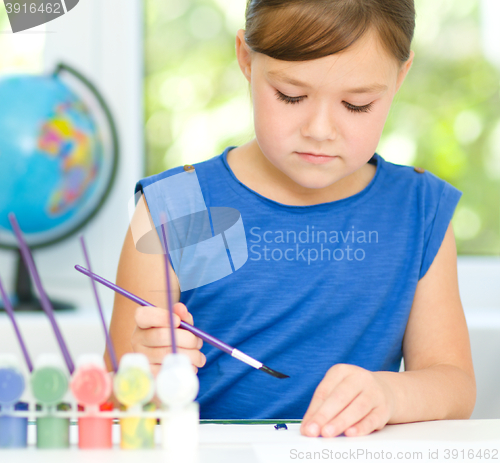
x: 192, y: 329
x: 111, y: 349
x: 169, y: 293
x: 44, y: 300
x: 10, y: 313
x: 208, y: 337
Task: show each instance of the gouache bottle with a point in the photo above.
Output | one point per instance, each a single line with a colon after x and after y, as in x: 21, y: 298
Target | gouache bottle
x: 134, y: 388
x: 13, y: 429
x: 177, y: 386
x: 49, y: 384
x: 91, y: 386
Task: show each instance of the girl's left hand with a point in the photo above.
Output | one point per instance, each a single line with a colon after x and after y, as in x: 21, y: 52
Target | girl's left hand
x: 349, y: 400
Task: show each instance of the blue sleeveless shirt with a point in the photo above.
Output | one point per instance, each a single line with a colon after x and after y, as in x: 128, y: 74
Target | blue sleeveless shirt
x: 321, y: 284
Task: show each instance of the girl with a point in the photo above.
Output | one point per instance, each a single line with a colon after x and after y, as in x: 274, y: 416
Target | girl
x: 350, y: 261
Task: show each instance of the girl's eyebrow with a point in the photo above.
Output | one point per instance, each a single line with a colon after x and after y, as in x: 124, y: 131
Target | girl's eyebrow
x: 290, y: 80
x: 372, y: 88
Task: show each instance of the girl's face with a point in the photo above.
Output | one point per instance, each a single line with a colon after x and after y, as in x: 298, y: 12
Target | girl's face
x: 319, y: 121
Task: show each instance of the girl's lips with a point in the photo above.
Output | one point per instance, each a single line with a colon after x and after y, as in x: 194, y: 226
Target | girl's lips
x: 315, y: 158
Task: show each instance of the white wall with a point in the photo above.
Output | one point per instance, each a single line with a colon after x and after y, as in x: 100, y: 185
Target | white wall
x: 479, y: 281
x: 103, y: 40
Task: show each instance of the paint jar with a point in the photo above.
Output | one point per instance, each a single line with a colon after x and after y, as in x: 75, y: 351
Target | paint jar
x: 134, y: 388
x: 52, y: 432
x: 95, y: 432
x: 138, y: 432
x: 179, y: 432
x: 49, y: 384
x: 91, y: 386
x: 177, y: 386
x: 13, y: 429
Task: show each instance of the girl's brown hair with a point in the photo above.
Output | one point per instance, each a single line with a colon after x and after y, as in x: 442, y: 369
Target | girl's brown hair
x: 301, y: 30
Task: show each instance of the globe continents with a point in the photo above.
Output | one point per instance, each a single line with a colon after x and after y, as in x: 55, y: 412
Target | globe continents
x: 53, y: 167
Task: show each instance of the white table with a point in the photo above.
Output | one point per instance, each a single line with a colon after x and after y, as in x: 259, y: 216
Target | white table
x: 263, y: 444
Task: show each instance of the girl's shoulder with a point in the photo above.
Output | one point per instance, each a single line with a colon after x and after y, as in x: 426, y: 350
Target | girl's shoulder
x: 427, y: 185
x: 203, y: 167
x: 427, y: 203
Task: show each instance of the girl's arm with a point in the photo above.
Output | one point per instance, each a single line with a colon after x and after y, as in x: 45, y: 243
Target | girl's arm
x: 439, y: 380
x: 146, y: 329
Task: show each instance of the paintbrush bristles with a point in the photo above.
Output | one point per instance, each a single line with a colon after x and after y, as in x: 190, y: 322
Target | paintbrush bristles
x: 272, y: 372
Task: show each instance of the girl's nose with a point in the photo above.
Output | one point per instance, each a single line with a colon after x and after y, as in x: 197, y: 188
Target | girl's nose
x: 320, y: 124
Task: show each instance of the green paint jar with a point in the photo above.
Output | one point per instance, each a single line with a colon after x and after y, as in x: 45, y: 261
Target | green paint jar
x: 52, y: 432
x: 49, y: 384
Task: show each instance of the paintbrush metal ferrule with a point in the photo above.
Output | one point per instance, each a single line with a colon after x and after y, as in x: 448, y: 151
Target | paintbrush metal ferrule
x: 237, y: 354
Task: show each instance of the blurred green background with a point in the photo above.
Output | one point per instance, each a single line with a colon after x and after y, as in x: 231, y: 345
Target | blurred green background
x: 446, y: 117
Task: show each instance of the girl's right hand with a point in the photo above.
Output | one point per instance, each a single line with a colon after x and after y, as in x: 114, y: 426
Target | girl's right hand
x: 151, y: 336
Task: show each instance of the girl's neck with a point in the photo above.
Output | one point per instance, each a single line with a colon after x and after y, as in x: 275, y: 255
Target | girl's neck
x: 255, y: 171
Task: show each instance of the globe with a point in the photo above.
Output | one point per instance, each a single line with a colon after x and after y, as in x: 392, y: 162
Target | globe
x: 53, y: 167
x: 58, y: 155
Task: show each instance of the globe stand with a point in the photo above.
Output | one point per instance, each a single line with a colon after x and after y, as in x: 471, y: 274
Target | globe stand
x: 24, y: 299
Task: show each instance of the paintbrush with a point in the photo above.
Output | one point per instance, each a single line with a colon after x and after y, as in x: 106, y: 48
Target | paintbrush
x: 196, y: 331
x: 10, y: 313
x: 109, y: 343
x: 169, y: 294
x: 44, y: 300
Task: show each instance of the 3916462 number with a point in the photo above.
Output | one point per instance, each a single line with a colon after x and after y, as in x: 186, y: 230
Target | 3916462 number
x: 471, y: 454
x: 49, y: 8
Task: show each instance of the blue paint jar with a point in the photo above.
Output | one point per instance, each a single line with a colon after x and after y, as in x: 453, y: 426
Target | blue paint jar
x: 13, y: 429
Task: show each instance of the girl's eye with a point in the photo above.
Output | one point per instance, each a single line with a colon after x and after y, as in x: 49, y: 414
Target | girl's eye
x: 288, y: 99
x: 349, y: 106
x: 358, y: 109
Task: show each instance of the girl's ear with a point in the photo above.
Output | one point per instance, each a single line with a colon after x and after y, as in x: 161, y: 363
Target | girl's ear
x: 403, y: 71
x: 243, y: 54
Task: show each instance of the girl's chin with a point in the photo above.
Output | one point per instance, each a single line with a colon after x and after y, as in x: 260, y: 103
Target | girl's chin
x: 312, y: 183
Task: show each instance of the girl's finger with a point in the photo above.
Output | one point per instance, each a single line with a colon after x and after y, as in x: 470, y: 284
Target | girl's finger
x: 156, y: 355
x: 334, y: 379
x: 181, y: 310
x: 356, y: 411
x: 154, y: 317
x: 327, y: 403
x: 197, y: 358
x: 371, y: 422
x: 160, y: 337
